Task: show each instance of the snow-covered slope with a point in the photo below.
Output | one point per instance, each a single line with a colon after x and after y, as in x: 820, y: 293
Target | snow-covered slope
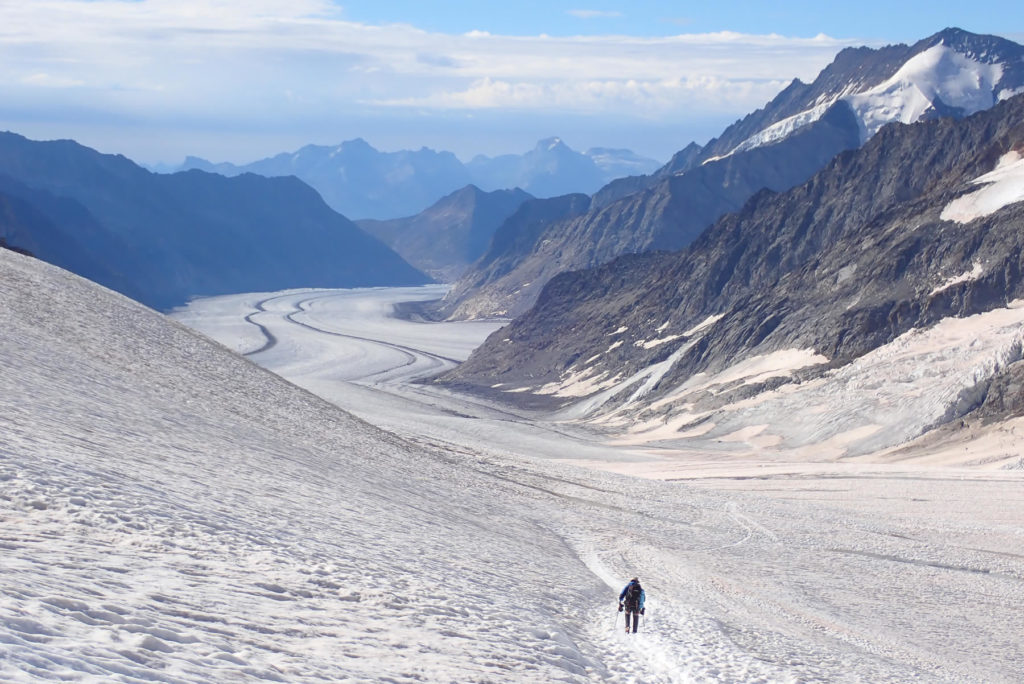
x: 753, y: 577
x: 171, y: 512
x: 1000, y: 187
x: 851, y: 314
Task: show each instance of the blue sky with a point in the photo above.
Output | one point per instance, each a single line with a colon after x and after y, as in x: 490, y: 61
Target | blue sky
x: 869, y: 19
x: 237, y: 80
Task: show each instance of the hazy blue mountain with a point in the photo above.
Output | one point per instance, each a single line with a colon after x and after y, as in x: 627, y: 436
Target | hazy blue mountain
x: 445, y: 238
x: 360, y: 181
x: 619, y: 163
x: 166, y: 238
x: 62, y: 232
x: 552, y: 168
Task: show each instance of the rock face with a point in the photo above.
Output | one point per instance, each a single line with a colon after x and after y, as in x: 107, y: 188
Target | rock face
x: 511, y: 244
x: 359, y: 181
x: 889, y: 239
x: 667, y: 216
x: 163, y: 239
x: 953, y: 73
x: 444, y: 239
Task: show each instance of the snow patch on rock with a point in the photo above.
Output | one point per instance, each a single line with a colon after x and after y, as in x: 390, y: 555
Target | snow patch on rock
x: 706, y: 323
x: 974, y: 274
x: 1003, y: 186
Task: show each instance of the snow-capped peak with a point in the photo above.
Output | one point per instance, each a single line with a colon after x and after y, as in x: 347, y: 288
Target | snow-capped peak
x: 939, y: 74
x: 938, y: 78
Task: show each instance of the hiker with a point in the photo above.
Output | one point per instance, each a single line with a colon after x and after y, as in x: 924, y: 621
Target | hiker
x: 632, y: 599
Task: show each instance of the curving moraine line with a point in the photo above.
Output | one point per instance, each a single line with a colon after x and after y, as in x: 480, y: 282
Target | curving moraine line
x: 270, y: 338
x: 410, y: 355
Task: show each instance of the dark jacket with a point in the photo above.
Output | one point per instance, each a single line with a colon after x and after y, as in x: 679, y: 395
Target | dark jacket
x: 625, y: 591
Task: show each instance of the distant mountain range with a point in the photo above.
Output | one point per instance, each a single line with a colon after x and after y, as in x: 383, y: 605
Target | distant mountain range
x: 163, y: 239
x: 953, y: 73
x: 443, y: 240
x: 363, y: 183
x: 896, y: 270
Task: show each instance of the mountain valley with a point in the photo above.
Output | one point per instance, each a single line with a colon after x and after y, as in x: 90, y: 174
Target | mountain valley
x: 779, y: 378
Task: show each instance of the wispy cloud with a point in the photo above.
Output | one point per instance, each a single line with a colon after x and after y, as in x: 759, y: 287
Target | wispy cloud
x: 593, y: 14
x: 291, y: 61
x: 645, y: 99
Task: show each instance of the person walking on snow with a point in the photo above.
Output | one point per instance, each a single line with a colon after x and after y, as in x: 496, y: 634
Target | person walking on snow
x: 632, y: 599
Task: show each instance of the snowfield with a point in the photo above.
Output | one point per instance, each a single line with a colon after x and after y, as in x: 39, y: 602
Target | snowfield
x: 1001, y: 187
x: 170, y: 511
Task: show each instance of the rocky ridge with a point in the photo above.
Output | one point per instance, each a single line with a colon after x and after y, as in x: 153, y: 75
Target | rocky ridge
x: 862, y: 254
x: 862, y: 89
x: 444, y: 239
x: 361, y: 182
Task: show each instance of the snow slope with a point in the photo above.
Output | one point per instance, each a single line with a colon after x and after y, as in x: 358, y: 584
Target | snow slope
x: 1002, y: 186
x: 171, y: 512
x: 759, y: 576
x: 938, y: 73
x: 888, y: 397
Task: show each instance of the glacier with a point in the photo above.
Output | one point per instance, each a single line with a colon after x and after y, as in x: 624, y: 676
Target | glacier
x: 171, y: 511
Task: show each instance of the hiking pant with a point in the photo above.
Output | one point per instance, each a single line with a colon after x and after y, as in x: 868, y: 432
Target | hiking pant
x: 636, y: 619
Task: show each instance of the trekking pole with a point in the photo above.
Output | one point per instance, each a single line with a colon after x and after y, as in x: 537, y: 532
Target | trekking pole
x: 616, y: 624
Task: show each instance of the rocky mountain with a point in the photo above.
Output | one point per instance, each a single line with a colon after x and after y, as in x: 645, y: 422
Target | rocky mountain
x: 858, y: 311
x: 163, y: 239
x: 667, y: 216
x: 60, y: 231
x: 511, y: 243
x: 953, y: 73
x: 445, y: 238
x: 362, y: 182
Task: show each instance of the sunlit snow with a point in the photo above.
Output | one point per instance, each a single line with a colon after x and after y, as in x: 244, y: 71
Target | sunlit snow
x: 170, y: 511
x: 885, y: 398
x: 977, y: 270
x: 1002, y: 187
x: 938, y: 73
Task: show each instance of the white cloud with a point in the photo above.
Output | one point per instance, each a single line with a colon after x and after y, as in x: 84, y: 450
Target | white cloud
x: 646, y: 99
x: 50, y: 81
x: 593, y: 14
x: 292, y: 61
